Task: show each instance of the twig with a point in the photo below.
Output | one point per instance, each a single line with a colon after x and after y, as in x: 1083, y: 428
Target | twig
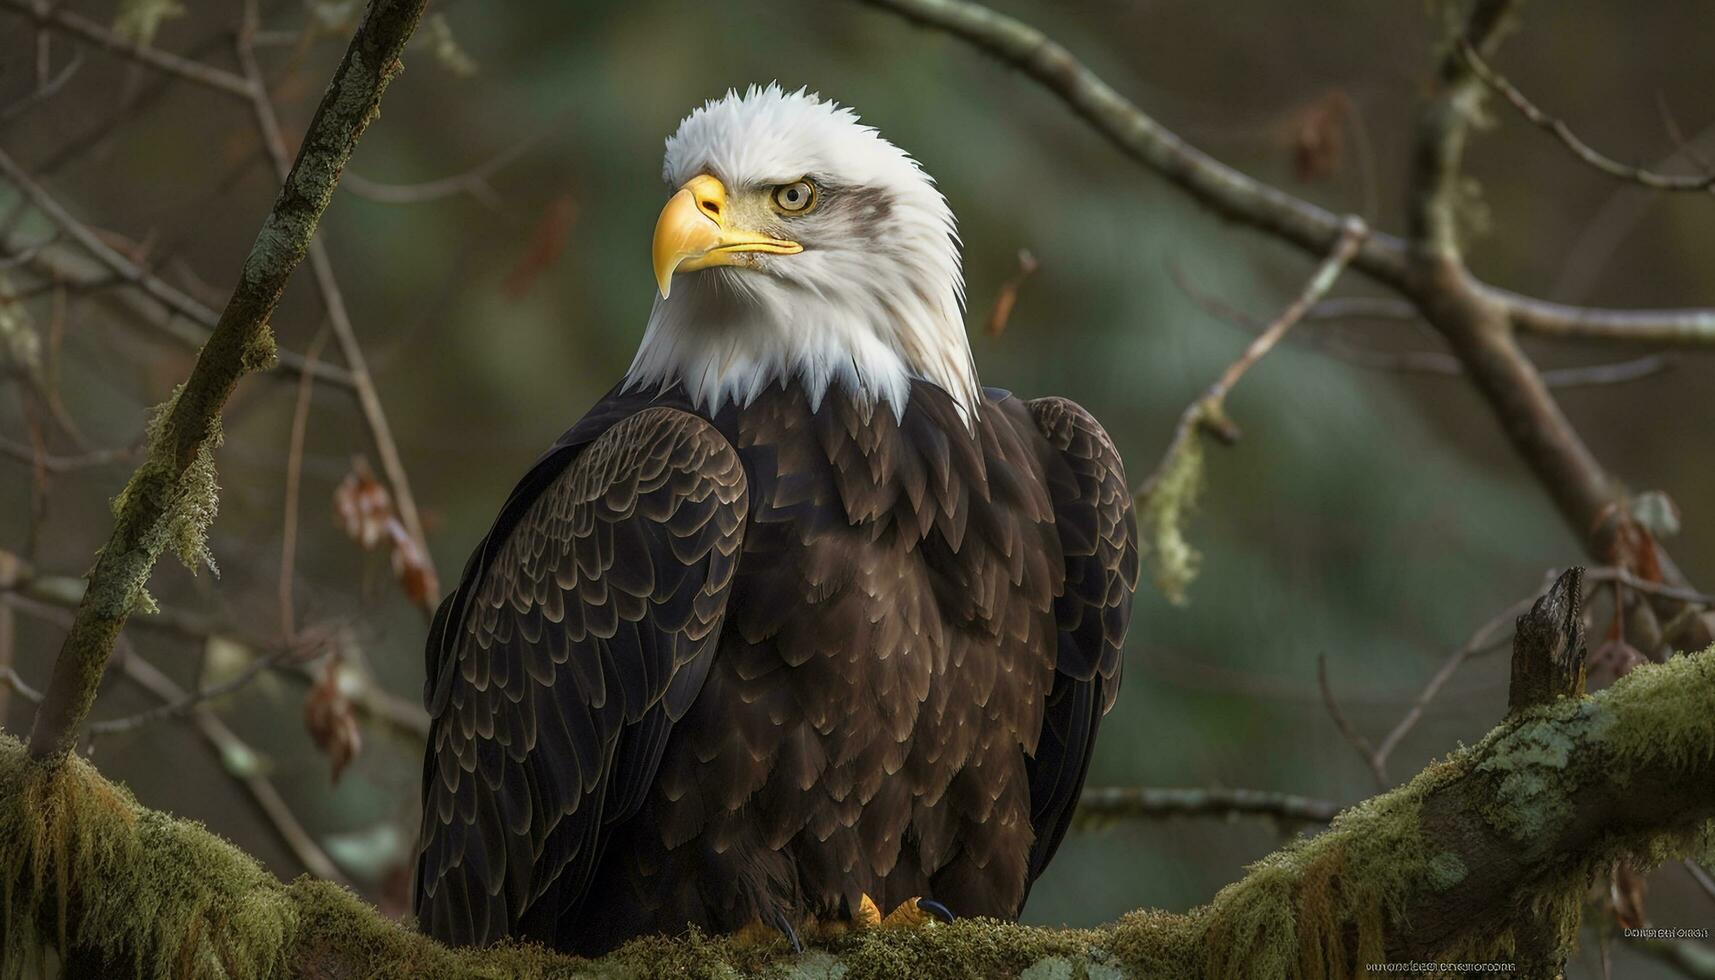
x: 9, y: 567
x: 183, y: 705
x: 1360, y: 743
x: 1670, y: 328
x: 1625, y: 576
x: 16, y: 684
x: 1363, y: 308
x: 42, y: 93
x: 135, y: 275
x: 1212, y: 183
x: 1620, y: 214
x: 1208, y: 412
x: 294, y: 473
x: 1579, y: 148
x: 41, y: 593
x: 1415, y: 361
x: 1700, y: 875
x: 1102, y: 803
x: 230, y: 747
x: 473, y: 182
x: 64, y: 464
x: 1485, y: 638
x: 333, y: 301
x: 79, y: 26
x: 239, y: 343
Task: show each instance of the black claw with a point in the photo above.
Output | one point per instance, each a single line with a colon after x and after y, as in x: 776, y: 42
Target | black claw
x: 935, y: 909
x: 779, y: 921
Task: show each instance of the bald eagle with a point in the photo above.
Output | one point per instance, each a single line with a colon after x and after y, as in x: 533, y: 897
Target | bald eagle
x: 799, y: 620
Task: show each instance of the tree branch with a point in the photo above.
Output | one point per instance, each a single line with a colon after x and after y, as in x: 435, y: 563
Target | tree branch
x: 333, y: 301
x: 176, y: 301
x: 1475, y: 318
x: 1449, y: 866
x: 170, y: 498
x: 403, y: 716
x: 1102, y: 804
x: 1229, y: 193
x: 56, y: 16
x: 1579, y: 148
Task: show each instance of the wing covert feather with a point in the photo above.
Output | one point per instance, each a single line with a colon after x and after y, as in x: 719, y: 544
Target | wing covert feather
x: 1098, y: 535
x: 582, y: 630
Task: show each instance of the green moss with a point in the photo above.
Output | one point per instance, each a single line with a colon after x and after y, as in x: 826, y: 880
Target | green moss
x: 171, y: 899
x: 1298, y: 911
x: 260, y: 350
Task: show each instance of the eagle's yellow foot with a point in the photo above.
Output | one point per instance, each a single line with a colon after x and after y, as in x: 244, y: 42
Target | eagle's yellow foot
x: 913, y: 913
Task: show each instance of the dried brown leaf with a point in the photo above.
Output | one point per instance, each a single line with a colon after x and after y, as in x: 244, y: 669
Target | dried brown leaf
x: 330, y: 720
x: 411, y: 567
x: 1316, y: 135
x: 1007, y: 296
x: 363, y: 506
x: 549, y: 239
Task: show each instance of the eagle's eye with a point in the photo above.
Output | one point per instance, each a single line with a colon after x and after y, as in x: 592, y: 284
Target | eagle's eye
x: 796, y: 197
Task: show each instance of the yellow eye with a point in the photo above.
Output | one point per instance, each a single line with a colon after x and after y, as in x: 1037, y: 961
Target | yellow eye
x: 796, y: 197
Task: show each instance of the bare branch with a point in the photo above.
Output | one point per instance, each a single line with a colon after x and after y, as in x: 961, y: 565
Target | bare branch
x: 1365, y: 750
x: 178, y: 472
x: 64, y: 464
x: 294, y: 471
x: 187, y: 701
x: 1103, y: 803
x: 1208, y: 411
x: 474, y: 182
x: 1415, y: 361
x: 56, y: 16
x: 1487, y: 637
x: 175, y: 300
x: 42, y: 93
x: 1212, y: 183
x: 333, y: 301
x: 1582, y: 150
x: 1668, y: 328
x: 248, y: 769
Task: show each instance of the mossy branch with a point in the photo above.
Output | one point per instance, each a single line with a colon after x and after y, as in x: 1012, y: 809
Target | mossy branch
x: 1466, y: 862
x: 171, y: 498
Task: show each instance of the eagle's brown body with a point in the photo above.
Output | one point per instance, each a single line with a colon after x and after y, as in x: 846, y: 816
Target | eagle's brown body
x: 757, y: 664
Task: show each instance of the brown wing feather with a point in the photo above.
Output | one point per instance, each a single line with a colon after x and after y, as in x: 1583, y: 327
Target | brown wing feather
x: 568, y: 657
x: 1098, y: 535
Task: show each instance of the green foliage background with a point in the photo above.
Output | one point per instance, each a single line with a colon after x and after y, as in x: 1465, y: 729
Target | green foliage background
x: 1372, y: 517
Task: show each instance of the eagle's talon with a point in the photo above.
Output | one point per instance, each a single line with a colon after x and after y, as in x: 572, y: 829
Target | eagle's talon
x: 936, y: 909
x: 756, y: 932
x: 916, y: 913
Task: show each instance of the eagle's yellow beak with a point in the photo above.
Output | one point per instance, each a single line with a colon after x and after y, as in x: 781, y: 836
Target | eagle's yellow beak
x: 693, y: 232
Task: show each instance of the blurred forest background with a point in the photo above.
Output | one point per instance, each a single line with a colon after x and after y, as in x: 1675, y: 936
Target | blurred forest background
x: 1373, y: 514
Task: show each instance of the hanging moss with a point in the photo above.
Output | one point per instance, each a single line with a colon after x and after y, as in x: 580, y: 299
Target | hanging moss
x: 169, y: 898
x: 1164, y: 510
x: 188, y: 501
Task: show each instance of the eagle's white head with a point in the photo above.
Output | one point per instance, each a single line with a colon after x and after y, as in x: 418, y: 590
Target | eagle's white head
x: 801, y: 246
